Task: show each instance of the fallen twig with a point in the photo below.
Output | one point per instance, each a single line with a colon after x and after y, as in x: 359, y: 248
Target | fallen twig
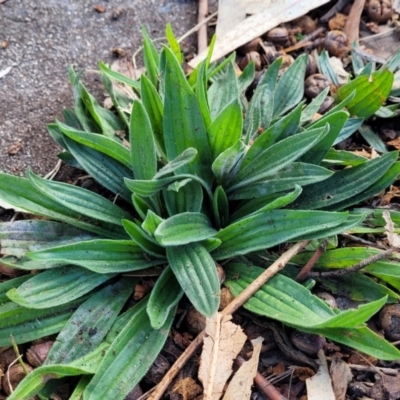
x: 202, y: 41
x: 274, y: 268
x: 353, y: 268
x: 303, y: 274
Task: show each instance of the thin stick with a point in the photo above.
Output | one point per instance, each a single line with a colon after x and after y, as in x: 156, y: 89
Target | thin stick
x: 202, y: 32
x: 303, y: 274
x: 353, y: 268
x: 277, y: 266
x: 198, y: 26
x: 367, y: 368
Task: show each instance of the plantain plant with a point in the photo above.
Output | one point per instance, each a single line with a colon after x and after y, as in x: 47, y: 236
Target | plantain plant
x: 195, y: 174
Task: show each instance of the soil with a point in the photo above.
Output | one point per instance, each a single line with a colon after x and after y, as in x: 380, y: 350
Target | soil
x: 40, y: 39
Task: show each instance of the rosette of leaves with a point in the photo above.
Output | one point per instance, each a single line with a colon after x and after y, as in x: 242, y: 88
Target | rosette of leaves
x: 198, y: 175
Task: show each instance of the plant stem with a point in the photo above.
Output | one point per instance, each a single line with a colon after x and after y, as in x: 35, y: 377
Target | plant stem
x: 272, y: 270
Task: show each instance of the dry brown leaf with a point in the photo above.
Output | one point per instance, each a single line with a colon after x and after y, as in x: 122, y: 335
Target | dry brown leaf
x: 240, y: 386
x: 395, y: 143
x: 274, y: 13
x: 320, y: 385
x: 341, y: 377
x: 222, y: 344
x: 394, y: 240
x: 352, y: 27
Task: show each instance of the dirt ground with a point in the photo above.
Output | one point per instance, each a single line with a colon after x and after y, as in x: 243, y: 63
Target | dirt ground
x: 40, y: 39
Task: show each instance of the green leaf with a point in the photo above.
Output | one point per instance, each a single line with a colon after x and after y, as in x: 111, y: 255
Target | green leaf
x: 226, y: 129
x: 196, y: 272
x: 129, y: 357
x: 372, y: 138
x: 371, y: 91
x: 183, y: 196
x: 285, y: 179
x: 183, y: 122
x: 227, y: 164
x: 22, y: 193
x: 336, y: 123
x: 104, y: 169
x: 151, y: 222
x: 342, y: 184
x: 312, y: 108
x: 143, y: 151
x: 38, y: 378
x: 290, y: 88
x: 269, y: 228
x: 223, y: 91
x: 201, y: 93
x: 119, y: 77
x: 152, y: 103
x: 265, y: 203
x: 364, y: 340
x: 98, y: 142
x: 220, y: 207
x: 324, y: 66
x: 56, y: 286
x: 173, y: 43
x: 276, y: 157
x: 349, y: 128
x: 246, y: 77
x: 151, y: 58
x: 143, y: 239
x: 287, y: 126
x: 164, y: 297
x: 185, y: 158
x: 184, y: 228
x: 90, y: 323
x: 27, y: 324
x: 343, y: 157
x: 11, y: 284
x: 80, y: 200
x: 102, y: 256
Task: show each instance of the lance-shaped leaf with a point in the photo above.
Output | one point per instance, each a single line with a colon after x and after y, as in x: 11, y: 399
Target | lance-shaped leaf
x: 153, y: 105
x: 143, y: 150
x: 226, y: 129
x: 290, y: 88
x: 184, y: 228
x: 56, y: 286
x: 371, y: 91
x: 164, y: 297
x: 80, y: 200
x: 17, y: 237
x: 183, y: 196
x: 107, y: 171
x: 128, y: 358
x: 98, y: 142
x: 11, y: 284
x: 276, y: 157
x: 26, y: 324
x: 269, y: 228
x: 345, y: 183
x: 143, y: 239
x: 196, y: 272
x: 265, y: 203
x: 287, y: 178
x: 220, y: 207
x: 151, y: 57
x: 186, y: 157
x: 102, y: 255
x: 22, y: 193
x: 183, y: 122
x: 119, y: 77
x: 90, y: 323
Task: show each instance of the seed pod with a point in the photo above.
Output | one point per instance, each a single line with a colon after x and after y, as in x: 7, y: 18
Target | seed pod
x: 13, y: 376
x: 315, y: 84
x: 308, y: 343
x: 253, y: 45
x: 37, y: 353
x: 380, y: 11
x: 328, y: 103
x: 10, y: 271
x: 311, y: 68
x: 278, y: 36
x: 306, y: 24
x: 252, y: 56
x: 390, y: 321
x: 7, y: 356
x: 336, y: 43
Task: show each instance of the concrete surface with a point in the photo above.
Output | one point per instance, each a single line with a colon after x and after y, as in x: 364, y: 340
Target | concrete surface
x: 40, y: 39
